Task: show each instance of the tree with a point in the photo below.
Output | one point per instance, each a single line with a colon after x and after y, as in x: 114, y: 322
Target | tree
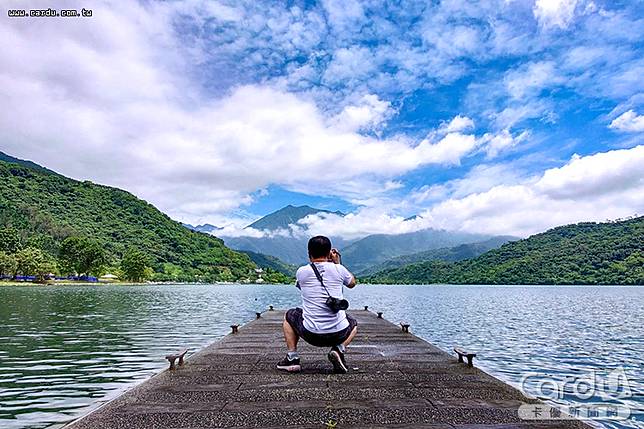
x: 34, y: 262
x: 9, y: 240
x: 134, y: 265
x: 8, y: 264
x: 81, y: 255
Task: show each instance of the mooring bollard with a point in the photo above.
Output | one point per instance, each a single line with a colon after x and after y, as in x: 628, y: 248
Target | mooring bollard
x: 270, y: 308
x: 235, y: 328
x: 366, y: 308
x: 470, y: 356
x: 380, y: 315
x: 258, y: 315
x: 405, y: 326
x: 178, y: 355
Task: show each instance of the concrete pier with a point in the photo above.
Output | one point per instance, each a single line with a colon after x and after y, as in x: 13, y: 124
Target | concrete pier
x: 396, y: 380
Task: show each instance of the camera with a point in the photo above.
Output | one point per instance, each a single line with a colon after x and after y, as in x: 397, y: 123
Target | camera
x: 336, y: 304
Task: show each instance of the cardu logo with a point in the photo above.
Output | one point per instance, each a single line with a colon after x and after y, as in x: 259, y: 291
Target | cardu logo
x: 596, y: 393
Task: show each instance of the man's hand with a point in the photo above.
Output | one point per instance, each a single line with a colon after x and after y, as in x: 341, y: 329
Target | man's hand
x: 335, y: 256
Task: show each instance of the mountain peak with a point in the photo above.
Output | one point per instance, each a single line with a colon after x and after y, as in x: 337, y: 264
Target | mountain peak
x: 286, y: 216
x: 205, y: 228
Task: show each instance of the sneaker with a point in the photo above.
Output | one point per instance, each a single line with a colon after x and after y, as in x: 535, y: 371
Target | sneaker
x: 289, y: 365
x: 336, y: 357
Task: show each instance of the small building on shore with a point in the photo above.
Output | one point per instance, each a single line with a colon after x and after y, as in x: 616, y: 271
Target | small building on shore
x: 108, y: 278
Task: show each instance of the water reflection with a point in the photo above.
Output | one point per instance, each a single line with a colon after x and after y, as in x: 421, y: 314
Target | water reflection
x: 65, y: 349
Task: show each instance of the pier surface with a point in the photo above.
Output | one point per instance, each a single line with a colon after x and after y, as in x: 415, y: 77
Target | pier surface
x: 396, y: 380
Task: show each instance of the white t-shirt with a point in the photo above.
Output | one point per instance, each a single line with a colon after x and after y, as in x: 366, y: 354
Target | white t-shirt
x: 318, y: 317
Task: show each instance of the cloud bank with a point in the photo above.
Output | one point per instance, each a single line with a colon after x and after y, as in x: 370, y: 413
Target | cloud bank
x: 453, y: 110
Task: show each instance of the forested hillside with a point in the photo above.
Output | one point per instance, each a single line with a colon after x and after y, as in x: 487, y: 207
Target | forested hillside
x: 447, y: 254
x: 268, y: 262
x: 585, y: 253
x: 67, y: 220
x: 377, y: 248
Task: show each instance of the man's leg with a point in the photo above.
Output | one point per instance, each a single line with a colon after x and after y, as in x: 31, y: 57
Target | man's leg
x: 291, y: 362
x: 336, y: 355
x: 290, y: 336
x: 350, y: 337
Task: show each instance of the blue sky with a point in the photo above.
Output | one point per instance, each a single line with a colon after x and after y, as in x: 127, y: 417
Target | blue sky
x: 504, y: 116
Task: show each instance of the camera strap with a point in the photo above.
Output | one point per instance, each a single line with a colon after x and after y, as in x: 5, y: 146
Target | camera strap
x: 319, y: 276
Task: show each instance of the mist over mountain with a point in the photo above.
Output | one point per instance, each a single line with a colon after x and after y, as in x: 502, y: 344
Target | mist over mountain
x: 284, y: 244
x: 286, y: 216
x: 289, y: 244
x: 447, y: 254
x: 378, y: 248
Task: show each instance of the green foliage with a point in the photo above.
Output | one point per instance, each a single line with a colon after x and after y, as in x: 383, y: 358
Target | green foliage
x: 585, y: 253
x: 134, y: 265
x: 9, y: 240
x: 81, y: 255
x: 271, y: 276
x: 8, y: 264
x: 34, y: 262
x: 378, y: 248
x: 271, y: 262
x: 447, y: 254
x: 44, y: 209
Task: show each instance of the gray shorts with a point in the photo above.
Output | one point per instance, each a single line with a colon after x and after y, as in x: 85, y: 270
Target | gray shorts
x: 295, y: 318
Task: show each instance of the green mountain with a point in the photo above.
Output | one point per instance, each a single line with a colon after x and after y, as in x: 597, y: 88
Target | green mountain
x: 585, y: 253
x: 447, y: 254
x: 357, y: 255
x: 377, y: 248
x: 268, y: 262
x: 288, y: 248
x: 291, y: 250
x: 43, y: 209
x: 286, y: 216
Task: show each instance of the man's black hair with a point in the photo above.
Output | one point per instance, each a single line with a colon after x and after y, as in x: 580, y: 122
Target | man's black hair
x: 319, y: 246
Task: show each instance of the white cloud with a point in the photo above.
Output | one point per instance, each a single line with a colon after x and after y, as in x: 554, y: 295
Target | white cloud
x: 368, y: 113
x: 497, y: 199
x: 459, y: 123
x: 531, y: 79
x: 109, y: 95
x: 592, y: 188
x: 554, y: 13
x: 628, y: 121
x: 255, y: 95
x: 497, y: 143
x: 349, y: 64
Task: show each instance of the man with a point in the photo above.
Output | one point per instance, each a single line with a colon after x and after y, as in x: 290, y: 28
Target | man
x: 316, y: 322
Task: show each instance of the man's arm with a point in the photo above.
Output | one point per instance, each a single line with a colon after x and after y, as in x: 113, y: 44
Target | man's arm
x: 352, y: 282
x: 349, y: 279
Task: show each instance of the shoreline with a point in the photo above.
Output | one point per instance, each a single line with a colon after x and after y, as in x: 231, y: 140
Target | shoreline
x: 98, y: 284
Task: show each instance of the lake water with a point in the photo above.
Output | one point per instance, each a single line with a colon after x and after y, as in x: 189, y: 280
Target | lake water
x: 65, y: 349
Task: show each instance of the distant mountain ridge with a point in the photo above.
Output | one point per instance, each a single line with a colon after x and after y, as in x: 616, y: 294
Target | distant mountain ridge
x: 447, y: 254
x: 282, y: 218
x: 205, y: 228
x: 584, y: 253
x: 271, y: 262
x: 358, y: 255
x: 378, y: 248
x: 289, y: 249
